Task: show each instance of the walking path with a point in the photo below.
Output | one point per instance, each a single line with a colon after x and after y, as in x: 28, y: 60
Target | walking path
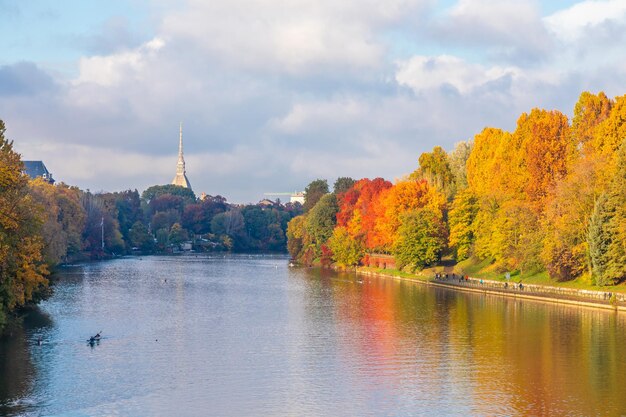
x: 561, y: 295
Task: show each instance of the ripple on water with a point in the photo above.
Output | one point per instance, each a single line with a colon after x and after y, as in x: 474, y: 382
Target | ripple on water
x: 247, y: 336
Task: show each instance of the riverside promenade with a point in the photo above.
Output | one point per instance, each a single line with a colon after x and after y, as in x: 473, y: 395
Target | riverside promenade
x: 561, y: 295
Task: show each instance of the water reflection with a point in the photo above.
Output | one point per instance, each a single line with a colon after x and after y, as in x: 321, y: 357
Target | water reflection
x: 17, y: 371
x: 481, y: 354
x: 246, y: 335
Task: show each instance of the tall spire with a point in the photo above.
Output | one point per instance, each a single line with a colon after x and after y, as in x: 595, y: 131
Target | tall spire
x: 180, y: 167
x: 181, y: 177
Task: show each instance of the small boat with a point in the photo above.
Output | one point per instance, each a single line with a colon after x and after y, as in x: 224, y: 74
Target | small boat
x: 96, y: 338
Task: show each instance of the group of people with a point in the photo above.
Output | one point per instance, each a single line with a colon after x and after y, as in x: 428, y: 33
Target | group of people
x: 440, y: 276
x: 453, y: 277
x: 519, y: 285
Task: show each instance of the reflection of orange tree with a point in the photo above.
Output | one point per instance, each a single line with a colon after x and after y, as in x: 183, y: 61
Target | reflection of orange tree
x: 367, y: 313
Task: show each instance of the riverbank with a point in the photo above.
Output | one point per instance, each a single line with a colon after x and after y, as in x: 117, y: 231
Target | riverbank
x: 543, y: 293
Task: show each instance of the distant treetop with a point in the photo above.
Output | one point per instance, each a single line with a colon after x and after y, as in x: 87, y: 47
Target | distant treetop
x: 159, y: 190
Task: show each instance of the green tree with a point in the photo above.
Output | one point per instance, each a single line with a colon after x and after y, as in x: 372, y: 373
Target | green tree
x: 128, y: 207
x: 140, y: 237
x: 229, y: 223
x: 346, y: 250
x: 162, y: 237
x: 342, y: 185
x: 313, y: 192
x: 321, y: 220
x: 176, y: 190
x: 100, y: 217
x: 422, y: 239
x: 600, y: 238
x: 177, y: 234
x: 607, y: 230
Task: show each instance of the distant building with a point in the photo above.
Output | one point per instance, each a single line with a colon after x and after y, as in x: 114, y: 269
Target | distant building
x: 295, y: 197
x: 35, y: 169
x: 181, y: 175
x: 266, y: 203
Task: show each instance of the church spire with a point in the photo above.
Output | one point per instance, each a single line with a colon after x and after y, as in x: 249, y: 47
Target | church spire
x: 181, y: 177
x: 180, y: 167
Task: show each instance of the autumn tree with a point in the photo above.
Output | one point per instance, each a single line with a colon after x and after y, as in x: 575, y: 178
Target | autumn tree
x: 461, y: 220
x: 295, y: 236
x: 609, y: 134
x: 63, y: 219
x: 403, y: 197
x: 197, y: 217
x: 22, y: 268
x: 566, y: 222
x: 346, y: 251
x: 434, y: 167
x: 458, y: 164
x: 589, y: 112
x: 547, y: 152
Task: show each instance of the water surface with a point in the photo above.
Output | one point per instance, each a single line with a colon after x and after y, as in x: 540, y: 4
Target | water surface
x: 248, y: 336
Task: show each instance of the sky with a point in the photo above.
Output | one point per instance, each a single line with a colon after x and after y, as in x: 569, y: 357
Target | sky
x: 273, y: 94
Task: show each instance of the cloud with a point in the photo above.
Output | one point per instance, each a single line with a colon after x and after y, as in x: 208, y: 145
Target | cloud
x: 116, y: 34
x: 24, y: 78
x: 300, y: 38
x: 511, y: 29
x: 423, y: 73
x: 575, y: 22
x: 274, y: 94
x: 108, y: 70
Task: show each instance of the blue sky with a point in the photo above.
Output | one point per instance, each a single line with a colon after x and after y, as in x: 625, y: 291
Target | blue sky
x: 276, y: 93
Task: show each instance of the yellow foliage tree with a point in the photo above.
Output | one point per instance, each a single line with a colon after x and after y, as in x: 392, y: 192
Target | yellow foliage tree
x: 22, y: 271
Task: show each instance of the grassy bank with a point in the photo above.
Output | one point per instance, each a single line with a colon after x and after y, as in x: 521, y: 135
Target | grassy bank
x: 485, y: 270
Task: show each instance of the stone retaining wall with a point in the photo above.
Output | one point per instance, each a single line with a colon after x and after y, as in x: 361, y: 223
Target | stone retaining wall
x: 545, y: 290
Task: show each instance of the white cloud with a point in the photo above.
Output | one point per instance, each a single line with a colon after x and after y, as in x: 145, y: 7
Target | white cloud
x: 422, y: 73
x: 509, y: 28
x: 275, y: 93
x: 89, y: 165
x: 573, y: 23
x: 300, y: 37
x: 313, y: 115
x: 110, y: 70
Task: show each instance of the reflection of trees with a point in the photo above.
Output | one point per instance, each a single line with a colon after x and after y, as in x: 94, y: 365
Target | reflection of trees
x: 481, y: 354
x: 16, y: 367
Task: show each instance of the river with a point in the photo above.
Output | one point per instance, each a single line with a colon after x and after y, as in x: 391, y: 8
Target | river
x: 242, y: 335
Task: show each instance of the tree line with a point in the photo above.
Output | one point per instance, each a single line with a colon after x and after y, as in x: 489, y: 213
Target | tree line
x: 548, y: 197
x: 43, y: 225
